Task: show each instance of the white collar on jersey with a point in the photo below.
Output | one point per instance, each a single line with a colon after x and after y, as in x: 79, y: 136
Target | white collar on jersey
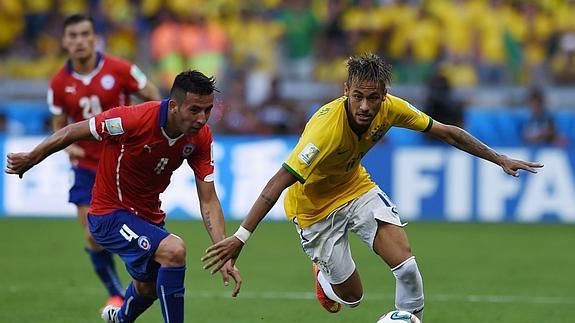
x: 87, y: 78
x: 171, y: 141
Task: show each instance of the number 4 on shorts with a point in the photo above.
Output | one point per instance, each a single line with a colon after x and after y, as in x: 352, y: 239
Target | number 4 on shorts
x: 127, y: 233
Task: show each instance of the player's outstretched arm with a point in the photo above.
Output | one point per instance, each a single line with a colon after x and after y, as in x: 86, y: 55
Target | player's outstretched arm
x: 213, y: 217
x: 19, y: 163
x: 229, y: 249
x: 60, y: 121
x: 461, y: 139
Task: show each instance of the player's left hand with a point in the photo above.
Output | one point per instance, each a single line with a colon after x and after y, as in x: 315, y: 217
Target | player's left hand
x: 223, y: 256
x: 511, y: 166
x: 230, y: 270
x: 18, y: 163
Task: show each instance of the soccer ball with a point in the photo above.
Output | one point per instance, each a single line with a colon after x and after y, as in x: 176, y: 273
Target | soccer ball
x: 398, y: 317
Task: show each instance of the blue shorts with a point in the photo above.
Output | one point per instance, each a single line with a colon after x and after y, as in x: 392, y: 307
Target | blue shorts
x: 81, y: 190
x: 132, y: 238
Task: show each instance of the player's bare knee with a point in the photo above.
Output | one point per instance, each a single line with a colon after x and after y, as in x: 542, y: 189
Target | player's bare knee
x: 404, y: 253
x: 391, y: 243
x: 172, y: 252
x: 177, y: 253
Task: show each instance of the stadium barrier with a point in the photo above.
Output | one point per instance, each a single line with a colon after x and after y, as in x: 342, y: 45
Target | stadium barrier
x: 427, y: 182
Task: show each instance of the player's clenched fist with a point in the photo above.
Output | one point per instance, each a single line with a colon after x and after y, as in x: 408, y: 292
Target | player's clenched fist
x: 18, y: 163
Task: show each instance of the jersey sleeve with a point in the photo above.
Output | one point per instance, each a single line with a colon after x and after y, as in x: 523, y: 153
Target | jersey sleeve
x: 54, y: 98
x: 405, y: 115
x: 310, y: 150
x: 133, y: 79
x: 113, y: 124
x: 137, y: 79
x: 202, y: 160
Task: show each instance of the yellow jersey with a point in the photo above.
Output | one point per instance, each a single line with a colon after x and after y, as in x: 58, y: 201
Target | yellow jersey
x: 327, y: 158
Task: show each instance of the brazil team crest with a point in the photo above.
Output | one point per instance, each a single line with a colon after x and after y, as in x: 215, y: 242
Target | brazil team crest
x: 377, y: 133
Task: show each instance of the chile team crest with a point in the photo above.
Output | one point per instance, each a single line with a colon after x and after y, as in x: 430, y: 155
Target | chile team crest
x: 107, y: 82
x: 144, y: 243
x: 188, y: 150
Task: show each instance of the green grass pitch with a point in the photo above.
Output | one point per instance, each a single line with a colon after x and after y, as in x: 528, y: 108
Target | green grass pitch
x: 472, y: 273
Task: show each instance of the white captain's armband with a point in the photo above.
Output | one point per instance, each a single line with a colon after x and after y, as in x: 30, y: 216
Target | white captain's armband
x: 93, y: 130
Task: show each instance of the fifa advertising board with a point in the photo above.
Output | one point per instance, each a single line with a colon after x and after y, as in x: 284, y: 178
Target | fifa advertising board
x: 427, y: 182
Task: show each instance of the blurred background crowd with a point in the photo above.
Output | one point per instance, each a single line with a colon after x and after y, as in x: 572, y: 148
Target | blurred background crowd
x: 275, y: 60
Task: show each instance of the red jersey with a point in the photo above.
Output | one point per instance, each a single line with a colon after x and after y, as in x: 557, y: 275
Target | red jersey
x: 83, y: 96
x: 138, y: 159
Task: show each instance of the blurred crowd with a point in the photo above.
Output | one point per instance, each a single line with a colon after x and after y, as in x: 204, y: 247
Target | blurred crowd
x: 253, y: 46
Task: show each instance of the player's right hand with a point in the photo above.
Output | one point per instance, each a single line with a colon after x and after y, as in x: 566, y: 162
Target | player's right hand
x: 74, y: 151
x: 218, y: 254
x: 511, y: 166
x: 18, y: 163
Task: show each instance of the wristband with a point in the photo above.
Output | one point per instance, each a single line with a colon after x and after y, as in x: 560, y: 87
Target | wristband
x: 242, y: 234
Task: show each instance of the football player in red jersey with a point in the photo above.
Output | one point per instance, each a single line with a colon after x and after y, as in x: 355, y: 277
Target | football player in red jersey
x: 142, y: 146
x: 89, y: 83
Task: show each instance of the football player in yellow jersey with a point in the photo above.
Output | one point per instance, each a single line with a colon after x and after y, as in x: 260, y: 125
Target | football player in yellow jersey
x: 331, y: 194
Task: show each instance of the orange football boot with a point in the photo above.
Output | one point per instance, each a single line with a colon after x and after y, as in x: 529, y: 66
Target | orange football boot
x: 115, y: 301
x: 327, y: 303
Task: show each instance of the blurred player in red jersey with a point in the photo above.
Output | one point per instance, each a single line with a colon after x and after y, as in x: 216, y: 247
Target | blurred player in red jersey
x: 90, y: 83
x: 142, y: 146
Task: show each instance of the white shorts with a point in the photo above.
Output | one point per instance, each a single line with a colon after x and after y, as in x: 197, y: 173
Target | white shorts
x: 326, y: 242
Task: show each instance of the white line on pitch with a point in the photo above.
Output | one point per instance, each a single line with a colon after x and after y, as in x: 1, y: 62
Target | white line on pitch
x: 430, y: 297
x: 373, y: 296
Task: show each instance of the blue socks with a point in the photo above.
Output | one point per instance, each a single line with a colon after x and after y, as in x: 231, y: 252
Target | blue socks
x: 133, y: 306
x: 170, y: 290
x: 103, y: 264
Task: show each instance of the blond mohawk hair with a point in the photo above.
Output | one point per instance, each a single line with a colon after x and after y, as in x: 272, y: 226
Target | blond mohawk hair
x: 368, y: 67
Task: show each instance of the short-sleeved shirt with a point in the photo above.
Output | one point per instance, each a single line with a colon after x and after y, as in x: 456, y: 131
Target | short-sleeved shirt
x: 82, y: 96
x: 327, y: 159
x: 138, y: 159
